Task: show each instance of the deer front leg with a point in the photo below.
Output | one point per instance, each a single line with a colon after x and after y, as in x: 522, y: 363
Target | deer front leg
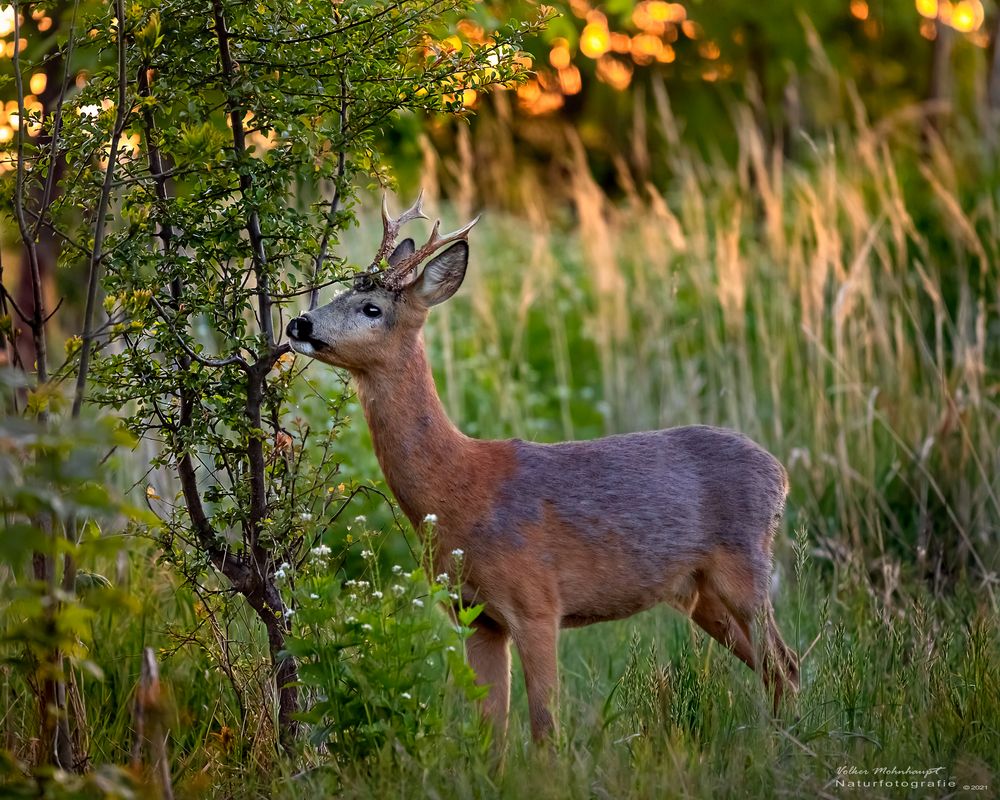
x: 536, y: 641
x: 488, y: 651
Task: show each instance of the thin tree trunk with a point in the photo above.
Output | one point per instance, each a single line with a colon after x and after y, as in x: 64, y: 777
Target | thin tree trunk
x: 267, y: 602
x: 993, y: 88
x: 939, y: 92
x: 261, y: 592
x: 56, y: 740
x: 150, y: 732
x: 100, y: 221
x: 56, y: 744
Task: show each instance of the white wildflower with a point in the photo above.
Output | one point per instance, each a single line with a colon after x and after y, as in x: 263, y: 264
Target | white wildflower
x: 458, y: 552
x: 305, y: 516
x: 442, y: 578
x: 451, y: 648
x: 398, y: 590
x: 367, y: 554
x: 322, y: 551
x: 350, y: 620
x: 396, y: 569
x: 431, y: 518
x: 418, y: 602
x: 377, y: 594
x: 361, y: 519
x: 313, y: 596
x: 453, y: 595
x: 366, y: 627
x: 406, y: 696
x: 284, y: 565
x: 279, y: 574
x: 289, y: 613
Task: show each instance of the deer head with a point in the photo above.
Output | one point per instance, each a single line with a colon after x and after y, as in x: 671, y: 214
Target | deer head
x: 366, y: 326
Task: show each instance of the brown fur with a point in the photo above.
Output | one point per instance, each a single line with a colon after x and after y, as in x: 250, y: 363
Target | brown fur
x: 560, y: 535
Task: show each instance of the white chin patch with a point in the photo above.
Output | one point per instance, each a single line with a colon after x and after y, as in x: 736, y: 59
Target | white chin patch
x: 304, y: 348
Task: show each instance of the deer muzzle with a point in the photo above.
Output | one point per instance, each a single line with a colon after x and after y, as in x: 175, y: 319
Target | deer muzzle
x: 300, y: 336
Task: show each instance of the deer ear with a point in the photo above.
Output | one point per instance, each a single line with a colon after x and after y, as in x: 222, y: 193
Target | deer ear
x: 403, y: 250
x: 443, y: 275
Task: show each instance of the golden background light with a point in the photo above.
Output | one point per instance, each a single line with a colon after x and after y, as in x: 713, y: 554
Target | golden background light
x: 965, y: 16
x: 859, y: 9
x: 570, y: 81
x: 6, y: 20
x: 691, y: 29
x: 614, y: 72
x: 559, y: 55
x: 646, y: 47
x: 595, y: 40
x: 709, y: 50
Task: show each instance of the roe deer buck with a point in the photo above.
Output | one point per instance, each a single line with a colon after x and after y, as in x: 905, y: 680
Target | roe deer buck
x: 553, y: 535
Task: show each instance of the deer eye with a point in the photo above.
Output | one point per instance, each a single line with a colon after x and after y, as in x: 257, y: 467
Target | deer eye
x: 371, y: 310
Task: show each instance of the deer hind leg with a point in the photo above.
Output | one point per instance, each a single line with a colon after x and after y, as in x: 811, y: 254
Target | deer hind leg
x: 488, y: 651
x: 536, y: 641
x: 787, y: 662
x: 779, y: 667
x: 741, y: 587
x: 774, y: 660
x: 714, y: 617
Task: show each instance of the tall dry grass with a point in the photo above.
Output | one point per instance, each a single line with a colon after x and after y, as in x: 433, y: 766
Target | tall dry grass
x: 841, y: 307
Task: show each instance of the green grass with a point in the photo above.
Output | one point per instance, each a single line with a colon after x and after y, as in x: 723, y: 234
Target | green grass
x: 651, y: 709
x: 842, y: 310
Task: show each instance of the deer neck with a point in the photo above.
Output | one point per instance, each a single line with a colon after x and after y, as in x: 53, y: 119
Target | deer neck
x: 418, y: 447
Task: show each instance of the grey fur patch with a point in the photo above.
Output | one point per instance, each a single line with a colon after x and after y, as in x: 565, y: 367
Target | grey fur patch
x: 661, y: 497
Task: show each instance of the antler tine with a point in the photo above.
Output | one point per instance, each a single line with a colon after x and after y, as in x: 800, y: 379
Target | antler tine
x: 399, y: 274
x: 416, y: 211
x: 391, y: 227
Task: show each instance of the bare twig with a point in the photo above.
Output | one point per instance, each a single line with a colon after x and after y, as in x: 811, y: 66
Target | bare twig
x: 100, y: 222
x: 246, y: 182
x: 331, y: 217
x: 9, y: 298
x: 28, y: 239
x: 311, y: 289
x: 149, y: 728
x: 50, y: 179
x: 236, y: 358
x: 11, y: 340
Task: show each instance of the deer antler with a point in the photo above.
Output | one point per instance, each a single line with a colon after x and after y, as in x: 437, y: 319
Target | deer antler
x: 390, y: 226
x: 400, y: 274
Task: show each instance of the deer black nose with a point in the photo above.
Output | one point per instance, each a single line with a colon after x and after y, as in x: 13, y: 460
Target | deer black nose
x: 299, y: 328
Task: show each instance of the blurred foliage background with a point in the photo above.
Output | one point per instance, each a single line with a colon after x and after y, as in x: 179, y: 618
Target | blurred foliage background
x: 603, y: 69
